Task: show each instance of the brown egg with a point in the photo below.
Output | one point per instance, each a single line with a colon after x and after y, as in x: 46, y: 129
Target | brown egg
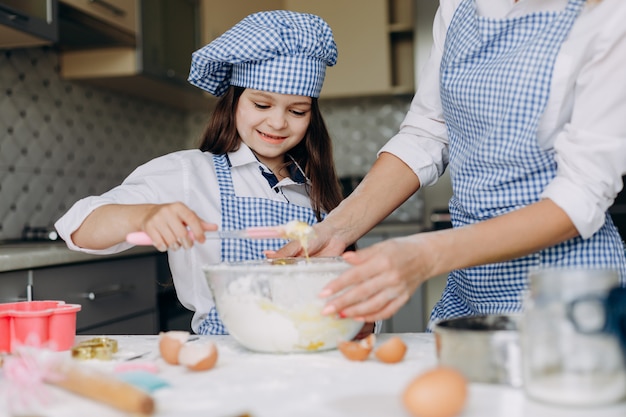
x: 392, y: 351
x: 170, y: 344
x: 439, y: 392
x: 357, y: 350
x: 198, y: 357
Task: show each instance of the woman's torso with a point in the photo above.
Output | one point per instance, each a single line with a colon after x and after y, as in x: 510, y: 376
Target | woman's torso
x: 495, y: 78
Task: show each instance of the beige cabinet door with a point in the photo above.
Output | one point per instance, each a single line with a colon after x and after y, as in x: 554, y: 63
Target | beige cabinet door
x: 361, y: 30
x: 360, y: 27
x: 218, y: 16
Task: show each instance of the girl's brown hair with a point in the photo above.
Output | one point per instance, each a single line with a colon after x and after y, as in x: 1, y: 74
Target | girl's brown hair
x: 314, y: 154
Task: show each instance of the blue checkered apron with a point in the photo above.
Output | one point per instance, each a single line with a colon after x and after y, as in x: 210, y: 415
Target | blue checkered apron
x: 495, y: 83
x: 242, y: 212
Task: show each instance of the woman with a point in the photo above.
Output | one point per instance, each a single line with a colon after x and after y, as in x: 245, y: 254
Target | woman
x: 525, y: 103
x: 265, y: 159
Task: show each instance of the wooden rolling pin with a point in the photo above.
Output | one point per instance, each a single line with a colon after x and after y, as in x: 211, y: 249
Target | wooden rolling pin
x: 102, y: 387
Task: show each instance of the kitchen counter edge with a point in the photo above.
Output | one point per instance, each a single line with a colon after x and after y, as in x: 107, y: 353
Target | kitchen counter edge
x: 39, y: 255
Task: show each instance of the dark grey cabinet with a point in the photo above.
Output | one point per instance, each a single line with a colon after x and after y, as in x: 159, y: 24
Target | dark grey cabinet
x: 14, y: 286
x: 170, y: 33
x: 118, y: 296
x: 26, y: 23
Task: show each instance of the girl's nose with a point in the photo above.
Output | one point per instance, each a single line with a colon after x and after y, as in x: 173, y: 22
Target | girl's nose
x: 277, y: 120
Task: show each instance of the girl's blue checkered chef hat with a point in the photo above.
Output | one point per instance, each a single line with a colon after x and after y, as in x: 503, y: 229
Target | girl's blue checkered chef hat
x: 278, y: 51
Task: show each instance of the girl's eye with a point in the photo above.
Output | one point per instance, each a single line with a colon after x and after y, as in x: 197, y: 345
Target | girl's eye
x: 261, y: 106
x: 298, y: 113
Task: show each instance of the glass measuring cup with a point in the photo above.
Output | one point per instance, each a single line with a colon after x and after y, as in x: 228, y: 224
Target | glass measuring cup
x: 571, y: 354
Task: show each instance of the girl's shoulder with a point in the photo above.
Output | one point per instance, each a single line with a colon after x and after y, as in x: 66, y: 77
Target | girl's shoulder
x: 187, y: 156
x: 182, y: 160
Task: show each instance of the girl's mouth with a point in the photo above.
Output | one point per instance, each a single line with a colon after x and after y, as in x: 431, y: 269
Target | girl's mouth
x: 271, y: 138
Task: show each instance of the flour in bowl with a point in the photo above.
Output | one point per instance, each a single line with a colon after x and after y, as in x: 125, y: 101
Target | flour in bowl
x: 269, y: 311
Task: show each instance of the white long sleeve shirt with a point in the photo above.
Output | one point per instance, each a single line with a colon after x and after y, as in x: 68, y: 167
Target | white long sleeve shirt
x: 584, y: 122
x: 189, y: 177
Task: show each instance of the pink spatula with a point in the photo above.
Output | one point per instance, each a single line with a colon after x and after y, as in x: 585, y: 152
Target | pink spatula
x: 295, y: 229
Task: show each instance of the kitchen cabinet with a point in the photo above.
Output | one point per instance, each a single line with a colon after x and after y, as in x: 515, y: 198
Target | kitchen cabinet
x: 219, y: 16
x: 97, y: 23
x: 121, y: 14
x: 374, y: 39
x: 27, y: 23
x: 118, y: 296
x: 14, y: 286
x: 155, y: 66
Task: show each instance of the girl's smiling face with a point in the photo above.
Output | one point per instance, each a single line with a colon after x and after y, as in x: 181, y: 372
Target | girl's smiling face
x: 271, y: 124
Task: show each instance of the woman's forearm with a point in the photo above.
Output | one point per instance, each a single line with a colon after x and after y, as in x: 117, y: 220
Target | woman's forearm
x: 388, y: 184
x: 502, y: 238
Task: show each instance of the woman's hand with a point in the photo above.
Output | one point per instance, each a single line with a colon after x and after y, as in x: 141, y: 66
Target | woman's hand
x: 174, y: 225
x: 325, y: 243
x: 382, y: 279
x: 385, y: 275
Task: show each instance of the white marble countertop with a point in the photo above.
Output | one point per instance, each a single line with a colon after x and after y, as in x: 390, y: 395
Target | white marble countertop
x: 21, y: 256
x: 322, y: 384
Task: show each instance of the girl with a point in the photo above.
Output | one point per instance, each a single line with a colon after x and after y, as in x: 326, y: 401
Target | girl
x: 265, y: 159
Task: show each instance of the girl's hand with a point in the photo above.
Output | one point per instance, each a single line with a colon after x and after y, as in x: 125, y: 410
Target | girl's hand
x: 174, y: 225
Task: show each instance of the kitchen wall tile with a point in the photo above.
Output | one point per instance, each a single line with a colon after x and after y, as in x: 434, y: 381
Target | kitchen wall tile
x: 61, y: 140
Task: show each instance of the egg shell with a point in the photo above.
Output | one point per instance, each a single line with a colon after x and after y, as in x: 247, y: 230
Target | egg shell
x: 170, y: 344
x: 392, y: 351
x: 198, y: 357
x: 439, y: 392
x: 357, y: 350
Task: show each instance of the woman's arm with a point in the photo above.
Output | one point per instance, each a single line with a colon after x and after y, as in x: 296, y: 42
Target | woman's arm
x: 386, y: 274
x: 387, y: 185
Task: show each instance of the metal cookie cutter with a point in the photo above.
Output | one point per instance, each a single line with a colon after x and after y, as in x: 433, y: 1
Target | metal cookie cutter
x: 101, y: 348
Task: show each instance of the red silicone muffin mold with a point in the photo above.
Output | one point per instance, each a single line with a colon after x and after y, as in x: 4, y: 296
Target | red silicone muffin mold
x: 50, y: 324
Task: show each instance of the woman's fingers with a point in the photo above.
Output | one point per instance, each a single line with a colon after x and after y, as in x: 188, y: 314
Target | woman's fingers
x: 325, y: 243
x: 376, y: 298
x: 381, y: 306
x: 377, y: 285
x: 291, y: 249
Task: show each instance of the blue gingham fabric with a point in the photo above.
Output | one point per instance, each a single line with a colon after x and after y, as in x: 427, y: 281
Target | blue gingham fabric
x: 212, y: 324
x: 495, y: 83
x: 278, y: 51
x: 242, y: 212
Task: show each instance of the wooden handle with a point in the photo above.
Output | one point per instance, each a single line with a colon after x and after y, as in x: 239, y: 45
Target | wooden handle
x: 104, y: 388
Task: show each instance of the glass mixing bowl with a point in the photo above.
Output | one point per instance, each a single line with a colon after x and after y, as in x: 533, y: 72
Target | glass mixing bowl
x: 273, y: 305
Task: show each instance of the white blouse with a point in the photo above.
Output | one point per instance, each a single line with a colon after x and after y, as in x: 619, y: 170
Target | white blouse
x: 584, y: 122
x: 189, y: 177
